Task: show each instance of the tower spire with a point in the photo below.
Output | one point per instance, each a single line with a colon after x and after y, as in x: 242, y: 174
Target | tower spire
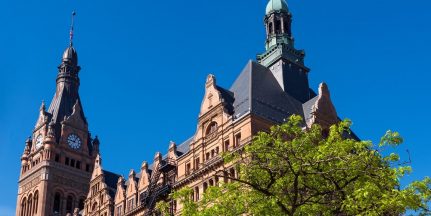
x: 71, y: 28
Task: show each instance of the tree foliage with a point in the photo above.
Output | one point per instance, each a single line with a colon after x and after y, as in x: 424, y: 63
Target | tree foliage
x: 292, y: 171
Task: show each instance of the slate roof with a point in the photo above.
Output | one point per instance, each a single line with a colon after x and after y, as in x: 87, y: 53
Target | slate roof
x: 228, y: 98
x: 257, y: 91
x: 111, y: 180
x: 62, y: 105
x: 184, y: 147
x: 308, y: 108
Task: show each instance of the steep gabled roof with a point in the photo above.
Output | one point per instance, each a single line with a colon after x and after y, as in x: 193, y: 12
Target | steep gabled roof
x: 111, y: 180
x: 62, y: 105
x: 228, y: 98
x: 257, y: 91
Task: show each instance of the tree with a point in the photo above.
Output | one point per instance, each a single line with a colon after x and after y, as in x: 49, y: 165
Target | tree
x: 292, y: 171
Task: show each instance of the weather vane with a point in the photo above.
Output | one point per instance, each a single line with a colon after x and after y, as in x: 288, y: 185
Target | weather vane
x: 71, y: 28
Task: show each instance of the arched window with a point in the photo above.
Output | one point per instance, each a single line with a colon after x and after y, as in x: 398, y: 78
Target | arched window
x: 212, y: 127
x: 29, y: 204
x: 211, y: 182
x: 23, y: 205
x: 57, y: 201
x: 271, y: 28
x: 205, y: 186
x: 35, y: 202
x: 277, y: 27
x: 69, y: 204
x: 286, y: 27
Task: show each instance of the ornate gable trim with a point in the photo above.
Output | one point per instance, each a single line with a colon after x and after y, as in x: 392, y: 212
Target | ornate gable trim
x: 75, y: 119
x: 323, y: 111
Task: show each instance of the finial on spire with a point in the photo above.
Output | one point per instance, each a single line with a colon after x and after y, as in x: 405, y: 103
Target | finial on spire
x: 42, y: 107
x: 71, y: 28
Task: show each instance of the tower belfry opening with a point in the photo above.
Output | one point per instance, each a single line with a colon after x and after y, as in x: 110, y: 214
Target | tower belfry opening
x: 281, y: 56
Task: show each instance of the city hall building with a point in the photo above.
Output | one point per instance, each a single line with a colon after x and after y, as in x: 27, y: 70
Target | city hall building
x: 61, y: 168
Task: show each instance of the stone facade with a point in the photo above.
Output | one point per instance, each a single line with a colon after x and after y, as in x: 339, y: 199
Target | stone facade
x: 59, y: 156
x: 265, y: 93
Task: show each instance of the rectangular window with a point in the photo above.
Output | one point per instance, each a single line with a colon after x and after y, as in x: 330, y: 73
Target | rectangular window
x: 232, y: 173
x: 197, y: 163
x: 212, y: 153
x: 225, y: 179
x: 87, y: 167
x: 78, y: 164
x: 208, y: 155
x: 119, y: 210
x: 188, y: 168
x: 237, y: 140
x: 217, y: 150
x: 67, y: 161
x: 72, y: 162
x: 226, y: 145
x: 57, y: 157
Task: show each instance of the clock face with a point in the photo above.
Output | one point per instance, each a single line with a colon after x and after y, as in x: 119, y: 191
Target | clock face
x: 39, y: 141
x: 74, y: 141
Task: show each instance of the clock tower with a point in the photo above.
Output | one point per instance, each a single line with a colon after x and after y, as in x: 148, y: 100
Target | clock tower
x: 57, y: 162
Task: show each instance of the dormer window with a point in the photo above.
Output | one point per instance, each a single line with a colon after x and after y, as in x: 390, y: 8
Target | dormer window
x: 212, y: 127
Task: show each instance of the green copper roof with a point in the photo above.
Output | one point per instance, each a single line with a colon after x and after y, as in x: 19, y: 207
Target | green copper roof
x: 276, y: 5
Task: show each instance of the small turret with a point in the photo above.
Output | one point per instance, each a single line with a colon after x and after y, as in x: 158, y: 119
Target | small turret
x: 49, y: 141
x: 144, y: 166
x: 24, y: 157
x: 172, y: 152
x: 121, y: 181
x: 96, y: 144
x: 132, y: 175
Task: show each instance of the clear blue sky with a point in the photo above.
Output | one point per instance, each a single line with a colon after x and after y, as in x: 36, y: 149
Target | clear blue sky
x: 144, y: 65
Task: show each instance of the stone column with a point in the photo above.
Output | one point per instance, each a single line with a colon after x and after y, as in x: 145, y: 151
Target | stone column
x: 45, y: 195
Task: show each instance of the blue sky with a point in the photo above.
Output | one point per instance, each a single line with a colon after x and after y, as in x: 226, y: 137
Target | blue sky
x: 144, y: 65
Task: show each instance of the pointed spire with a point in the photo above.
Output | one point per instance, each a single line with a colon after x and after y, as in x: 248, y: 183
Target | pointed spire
x: 42, y: 106
x: 144, y: 165
x: 28, y: 144
x: 132, y: 174
x: 71, y: 28
x: 98, y: 161
x: 70, y: 55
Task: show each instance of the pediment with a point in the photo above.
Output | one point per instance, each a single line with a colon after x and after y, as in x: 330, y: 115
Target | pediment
x: 132, y: 186
x: 97, y: 171
x: 212, y: 96
x: 323, y: 111
x: 144, y: 181
x: 119, y: 195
